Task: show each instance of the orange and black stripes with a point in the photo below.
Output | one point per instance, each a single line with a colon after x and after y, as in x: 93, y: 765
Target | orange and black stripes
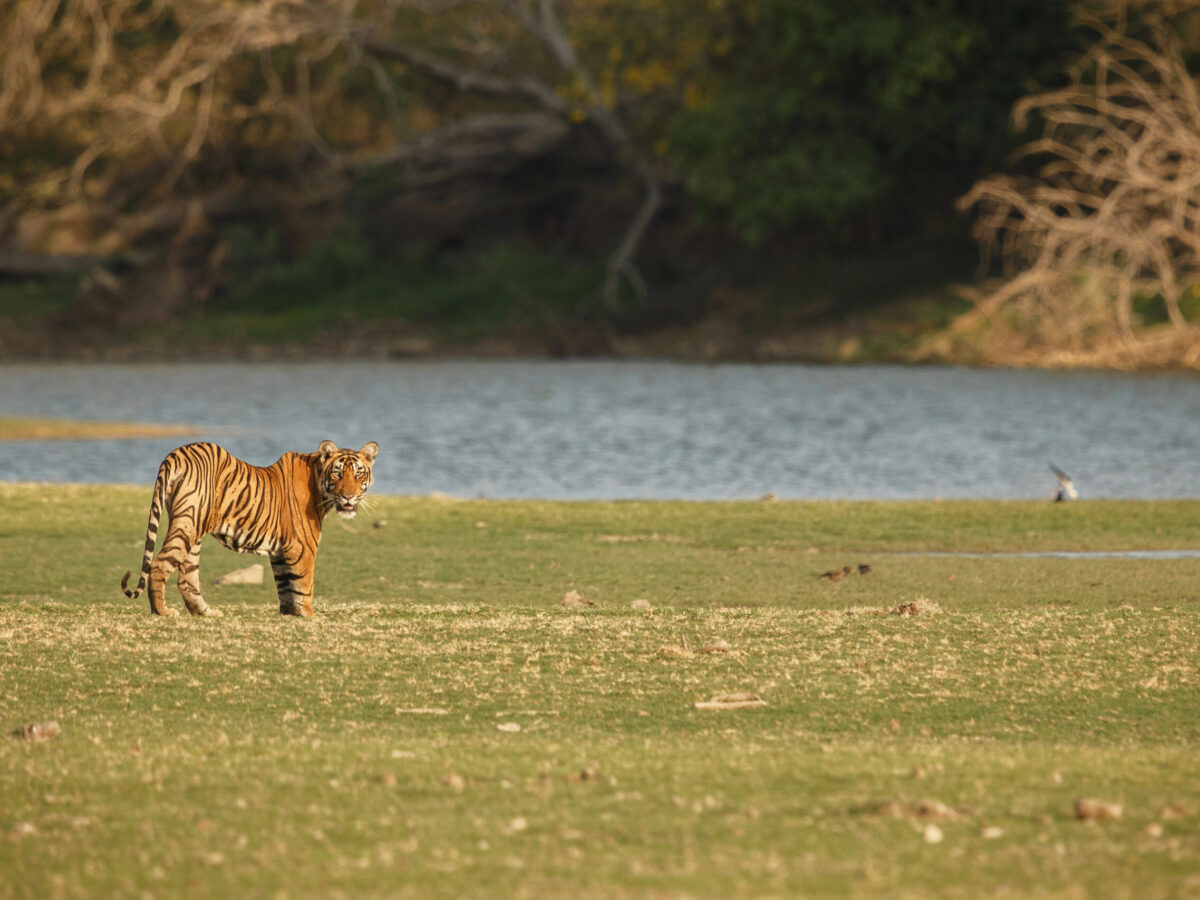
x: 275, y: 511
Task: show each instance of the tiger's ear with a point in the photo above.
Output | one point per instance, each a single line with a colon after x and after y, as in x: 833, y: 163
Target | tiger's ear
x: 370, y: 450
x: 327, y: 449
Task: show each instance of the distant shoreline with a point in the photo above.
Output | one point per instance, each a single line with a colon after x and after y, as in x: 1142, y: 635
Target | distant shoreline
x: 36, y: 429
x: 845, y: 344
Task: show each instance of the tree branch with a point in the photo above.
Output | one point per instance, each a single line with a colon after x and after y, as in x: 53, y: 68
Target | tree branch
x: 463, y: 79
x: 547, y: 28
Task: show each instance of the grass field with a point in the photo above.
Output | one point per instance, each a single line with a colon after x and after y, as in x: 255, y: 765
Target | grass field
x: 446, y: 727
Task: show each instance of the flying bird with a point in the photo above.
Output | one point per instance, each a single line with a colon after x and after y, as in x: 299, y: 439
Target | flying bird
x: 1066, y: 490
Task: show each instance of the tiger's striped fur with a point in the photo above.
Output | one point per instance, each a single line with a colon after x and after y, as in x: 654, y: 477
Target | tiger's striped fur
x: 276, y: 511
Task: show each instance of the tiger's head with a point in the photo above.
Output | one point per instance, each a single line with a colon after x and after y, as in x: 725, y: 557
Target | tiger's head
x: 344, y: 476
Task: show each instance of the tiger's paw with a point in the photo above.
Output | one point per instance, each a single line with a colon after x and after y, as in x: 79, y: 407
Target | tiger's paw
x: 166, y: 611
x: 211, y: 613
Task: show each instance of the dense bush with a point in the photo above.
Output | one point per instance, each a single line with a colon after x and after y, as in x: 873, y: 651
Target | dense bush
x: 825, y: 108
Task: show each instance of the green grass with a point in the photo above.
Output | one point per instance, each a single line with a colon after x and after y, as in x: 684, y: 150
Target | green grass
x: 361, y: 753
x: 341, y: 290
x: 340, y: 287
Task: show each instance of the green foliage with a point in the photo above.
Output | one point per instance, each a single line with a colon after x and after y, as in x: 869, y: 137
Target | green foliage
x: 504, y: 289
x: 23, y: 301
x: 822, y: 107
x: 1152, y: 310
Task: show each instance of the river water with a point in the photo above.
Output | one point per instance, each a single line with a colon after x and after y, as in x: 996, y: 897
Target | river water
x: 606, y: 430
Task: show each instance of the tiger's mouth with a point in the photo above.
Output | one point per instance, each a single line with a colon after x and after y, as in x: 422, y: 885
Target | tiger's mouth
x: 346, y: 508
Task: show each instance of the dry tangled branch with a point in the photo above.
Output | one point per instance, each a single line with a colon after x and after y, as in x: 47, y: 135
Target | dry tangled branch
x: 150, y: 102
x: 63, y: 69
x: 1109, y: 224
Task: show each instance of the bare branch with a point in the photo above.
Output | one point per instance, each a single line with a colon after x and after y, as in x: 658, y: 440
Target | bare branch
x: 547, y: 27
x: 1112, y: 217
x: 544, y: 24
x: 620, y: 265
x: 461, y: 78
x: 467, y: 146
x: 195, y: 141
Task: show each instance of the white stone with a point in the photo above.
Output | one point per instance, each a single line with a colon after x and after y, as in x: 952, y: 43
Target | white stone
x: 249, y: 575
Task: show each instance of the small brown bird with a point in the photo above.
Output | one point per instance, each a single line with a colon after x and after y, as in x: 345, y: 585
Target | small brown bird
x: 863, y: 569
x: 836, y: 574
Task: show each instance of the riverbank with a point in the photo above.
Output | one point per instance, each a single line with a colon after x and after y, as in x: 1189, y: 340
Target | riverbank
x: 911, y: 333
x: 894, y: 307
x: 508, y: 302
x: 717, y: 338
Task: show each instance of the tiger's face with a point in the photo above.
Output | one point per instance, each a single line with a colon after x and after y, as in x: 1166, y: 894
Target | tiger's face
x: 345, y: 476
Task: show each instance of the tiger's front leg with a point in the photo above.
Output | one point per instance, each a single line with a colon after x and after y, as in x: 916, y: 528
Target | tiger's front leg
x: 294, y: 584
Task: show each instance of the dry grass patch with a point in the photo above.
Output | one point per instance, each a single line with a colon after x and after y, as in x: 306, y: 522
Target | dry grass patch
x: 920, y: 606
x: 32, y: 429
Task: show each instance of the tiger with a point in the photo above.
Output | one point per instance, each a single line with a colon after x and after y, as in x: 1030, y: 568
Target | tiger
x: 276, y: 511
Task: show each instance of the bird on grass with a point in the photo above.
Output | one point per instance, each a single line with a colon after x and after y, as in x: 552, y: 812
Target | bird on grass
x: 863, y: 568
x: 1066, y: 489
x: 835, y: 574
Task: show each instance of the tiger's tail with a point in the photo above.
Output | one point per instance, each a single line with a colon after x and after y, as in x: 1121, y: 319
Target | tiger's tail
x: 156, y: 506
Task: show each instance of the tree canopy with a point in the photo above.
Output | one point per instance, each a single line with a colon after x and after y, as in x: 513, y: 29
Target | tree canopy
x: 820, y: 109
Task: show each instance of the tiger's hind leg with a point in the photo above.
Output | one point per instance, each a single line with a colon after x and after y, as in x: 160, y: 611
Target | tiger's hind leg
x: 176, y: 548
x: 189, y: 585
x: 167, y: 561
x: 294, y: 584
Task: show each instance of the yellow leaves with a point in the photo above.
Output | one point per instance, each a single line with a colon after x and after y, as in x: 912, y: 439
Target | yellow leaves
x: 651, y: 75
